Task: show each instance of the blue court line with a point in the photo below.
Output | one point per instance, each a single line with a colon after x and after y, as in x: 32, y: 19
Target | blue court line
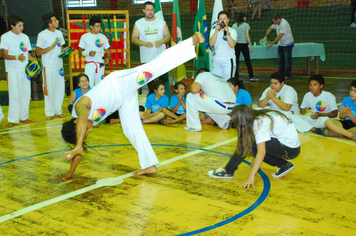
x: 257, y: 203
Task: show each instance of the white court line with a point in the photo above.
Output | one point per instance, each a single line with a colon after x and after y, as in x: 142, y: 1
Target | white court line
x: 21, y: 127
x: 22, y: 130
x: 95, y: 186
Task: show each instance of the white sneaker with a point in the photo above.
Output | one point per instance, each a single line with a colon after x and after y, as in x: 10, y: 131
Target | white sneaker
x: 191, y: 129
x: 254, y: 79
x: 353, y: 24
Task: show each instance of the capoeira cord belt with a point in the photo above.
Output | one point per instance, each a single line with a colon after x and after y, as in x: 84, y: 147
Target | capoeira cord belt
x: 98, y: 64
x: 225, y: 106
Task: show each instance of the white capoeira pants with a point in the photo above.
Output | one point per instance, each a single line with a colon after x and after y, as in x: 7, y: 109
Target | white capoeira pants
x: 129, y: 110
x: 95, y: 73
x: 224, y: 67
x: 19, y: 96
x: 1, y: 114
x: 53, y: 89
x: 201, y: 102
x: 304, y: 123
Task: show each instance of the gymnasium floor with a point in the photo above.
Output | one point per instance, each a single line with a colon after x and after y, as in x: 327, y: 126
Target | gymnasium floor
x: 317, y: 198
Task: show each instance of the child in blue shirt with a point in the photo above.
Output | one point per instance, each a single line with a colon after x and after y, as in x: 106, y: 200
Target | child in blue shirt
x: 83, y: 84
x: 243, y: 97
x: 347, y: 112
x: 177, y: 105
x: 155, y: 104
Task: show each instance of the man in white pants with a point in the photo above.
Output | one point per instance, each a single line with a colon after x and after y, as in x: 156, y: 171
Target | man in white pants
x: 212, y: 95
x: 118, y: 91
x: 92, y: 46
x: 49, y: 46
x: 15, y: 46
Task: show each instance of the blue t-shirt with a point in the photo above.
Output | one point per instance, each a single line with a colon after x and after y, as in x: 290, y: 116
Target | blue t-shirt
x: 174, y: 103
x: 243, y: 98
x: 78, y: 93
x: 155, y: 105
x: 351, y: 104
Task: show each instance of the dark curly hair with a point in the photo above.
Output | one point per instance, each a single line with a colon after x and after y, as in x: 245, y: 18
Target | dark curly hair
x: 69, y: 133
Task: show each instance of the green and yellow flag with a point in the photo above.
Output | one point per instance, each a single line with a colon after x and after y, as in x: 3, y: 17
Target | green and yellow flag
x: 179, y: 72
x: 202, y: 49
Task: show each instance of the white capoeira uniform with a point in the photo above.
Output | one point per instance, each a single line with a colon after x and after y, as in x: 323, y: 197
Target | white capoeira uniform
x: 324, y: 103
x: 217, y: 101
x: 18, y: 83
x: 97, y: 43
x: 118, y: 91
x: 1, y: 114
x: 224, y: 59
x: 53, y: 74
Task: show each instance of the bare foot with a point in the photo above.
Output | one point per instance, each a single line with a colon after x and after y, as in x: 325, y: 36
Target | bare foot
x: 10, y: 125
x: 114, y: 121
x: 64, y: 176
x: 49, y: 118
x: 60, y: 116
x: 148, y: 171
x: 198, y: 38
x: 26, y: 121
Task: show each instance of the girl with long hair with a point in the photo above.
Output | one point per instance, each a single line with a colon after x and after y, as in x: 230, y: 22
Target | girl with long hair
x: 267, y: 135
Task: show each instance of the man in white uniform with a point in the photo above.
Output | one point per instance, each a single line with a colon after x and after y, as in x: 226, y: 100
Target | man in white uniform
x: 92, y: 46
x: 49, y: 46
x: 151, y: 34
x: 15, y: 46
x: 223, y: 40
x: 211, y: 94
x: 118, y: 91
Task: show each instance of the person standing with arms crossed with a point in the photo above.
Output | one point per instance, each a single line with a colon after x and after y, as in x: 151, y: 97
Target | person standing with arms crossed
x: 15, y: 46
x: 49, y: 45
x: 151, y: 35
x: 92, y: 46
x: 286, y: 43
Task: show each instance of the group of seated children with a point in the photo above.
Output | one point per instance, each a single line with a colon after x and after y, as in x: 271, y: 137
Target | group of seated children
x: 279, y: 96
x: 322, y: 105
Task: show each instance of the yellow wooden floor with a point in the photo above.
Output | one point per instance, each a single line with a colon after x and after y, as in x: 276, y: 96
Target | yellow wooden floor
x: 317, y: 198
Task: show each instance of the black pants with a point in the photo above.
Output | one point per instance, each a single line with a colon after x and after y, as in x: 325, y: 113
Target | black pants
x: 353, y: 10
x: 243, y: 47
x: 277, y: 154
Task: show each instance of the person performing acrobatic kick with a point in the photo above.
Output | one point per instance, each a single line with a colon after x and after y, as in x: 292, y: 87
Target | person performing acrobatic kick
x: 118, y: 91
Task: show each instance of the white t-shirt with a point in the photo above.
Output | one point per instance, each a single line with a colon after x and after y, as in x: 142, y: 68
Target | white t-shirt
x: 284, y: 28
x: 94, y: 42
x: 287, y: 95
x: 16, y: 44
x: 241, y: 32
x: 216, y: 87
x: 221, y: 46
x: 284, y: 131
x: 150, y: 31
x: 324, y: 103
x: 45, y: 39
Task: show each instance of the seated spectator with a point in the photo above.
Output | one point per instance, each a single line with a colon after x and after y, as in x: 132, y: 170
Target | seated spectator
x: 155, y: 103
x: 177, y: 104
x: 279, y: 96
x: 347, y: 112
x: 83, y: 84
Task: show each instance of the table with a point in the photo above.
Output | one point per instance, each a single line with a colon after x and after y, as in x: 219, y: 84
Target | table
x: 308, y: 50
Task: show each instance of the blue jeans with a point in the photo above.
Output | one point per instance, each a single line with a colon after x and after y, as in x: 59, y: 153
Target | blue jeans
x: 285, y: 60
